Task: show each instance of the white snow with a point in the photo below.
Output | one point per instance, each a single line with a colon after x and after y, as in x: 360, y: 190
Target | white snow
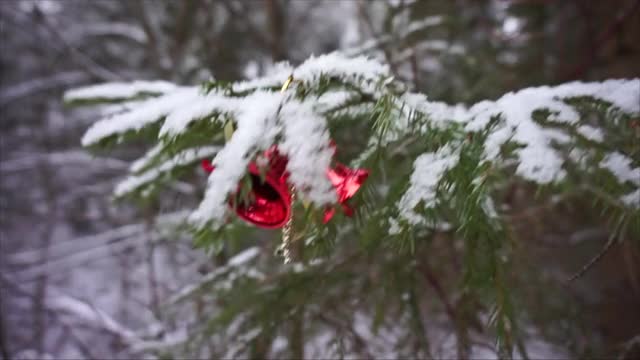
x: 437, y: 112
x: 338, y: 65
x: 429, y: 168
x: 591, y: 133
x: 620, y: 166
x: 148, y: 112
x: 141, y: 163
x: 332, y: 100
x: 202, y: 106
x: 632, y: 199
x: 306, y: 144
x: 185, y: 157
x: 538, y: 160
x: 244, y: 256
x: 275, y: 76
x: 119, y: 90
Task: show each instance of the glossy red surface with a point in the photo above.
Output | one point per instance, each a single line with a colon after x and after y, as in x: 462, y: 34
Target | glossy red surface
x: 270, y: 205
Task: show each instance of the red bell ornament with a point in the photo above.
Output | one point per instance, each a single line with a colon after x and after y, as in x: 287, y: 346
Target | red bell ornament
x: 346, y: 181
x: 270, y: 206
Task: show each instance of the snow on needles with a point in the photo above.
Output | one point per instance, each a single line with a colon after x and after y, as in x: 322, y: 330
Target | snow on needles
x: 538, y: 160
x: 185, y: 157
x: 119, y: 90
x: 306, y: 144
x: 620, y: 166
x: 147, y: 113
x: 429, y: 168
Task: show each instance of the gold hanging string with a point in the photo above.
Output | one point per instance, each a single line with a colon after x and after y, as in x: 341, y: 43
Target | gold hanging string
x: 285, y: 247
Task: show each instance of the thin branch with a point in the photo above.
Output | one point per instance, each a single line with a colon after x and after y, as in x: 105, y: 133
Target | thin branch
x: 612, y: 239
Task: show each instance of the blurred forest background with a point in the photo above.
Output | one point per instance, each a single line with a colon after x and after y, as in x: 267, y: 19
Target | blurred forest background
x: 82, y: 276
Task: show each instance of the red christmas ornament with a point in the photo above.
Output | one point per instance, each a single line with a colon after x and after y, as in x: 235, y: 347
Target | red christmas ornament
x: 270, y: 206
x: 347, y: 182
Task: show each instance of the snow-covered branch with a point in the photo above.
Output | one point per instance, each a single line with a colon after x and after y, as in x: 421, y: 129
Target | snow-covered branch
x: 263, y: 116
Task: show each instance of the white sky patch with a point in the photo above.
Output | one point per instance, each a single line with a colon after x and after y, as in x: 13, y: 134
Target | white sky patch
x: 185, y: 157
x: 429, y: 168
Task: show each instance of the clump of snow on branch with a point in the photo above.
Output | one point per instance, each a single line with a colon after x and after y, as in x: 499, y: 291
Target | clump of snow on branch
x: 144, y: 161
x: 113, y: 91
x: 591, y: 133
x: 632, y: 199
x: 306, y: 144
x: 428, y: 170
x: 621, y: 167
x: 198, y: 107
x: 147, y: 113
x: 185, y: 157
x: 538, y: 160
